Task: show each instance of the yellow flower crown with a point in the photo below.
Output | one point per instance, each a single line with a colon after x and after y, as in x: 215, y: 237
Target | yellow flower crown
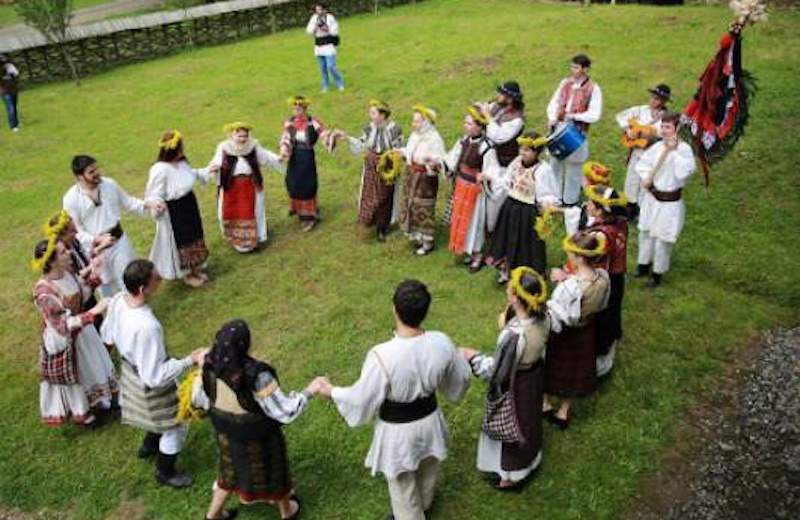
x: 605, y: 198
x: 535, y: 301
x: 536, y: 144
x: 51, y: 231
x: 380, y: 105
x: 390, y: 166
x: 237, y: 125
x: 298, y: 100
x: 545, y: 223
x: 475, y: 113
x: 570, y: 246
x: 427, y: 113
x: 171, y: 144
x: 596, y: 172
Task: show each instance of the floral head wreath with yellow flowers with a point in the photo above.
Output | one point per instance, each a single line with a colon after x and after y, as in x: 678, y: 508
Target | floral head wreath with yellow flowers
x: 603, y: 196
x: 529, y: 142
x: 381, y: 106
x: 570, y: 246
x: 475, y: 113
x: 52, y: 229
x: 171, y: 143
x: 535, y: 301
x: 597, y: 173
x: 237, y: 125
x: 426, y: 112
x: 298, y: 100
x: 390, y: 166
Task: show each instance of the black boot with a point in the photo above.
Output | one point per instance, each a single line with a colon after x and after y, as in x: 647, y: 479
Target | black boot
x: 149, y: 447
x: 166, y: 473
x: 642, y: 270
x: 655, y: 281
x: 381, y: 234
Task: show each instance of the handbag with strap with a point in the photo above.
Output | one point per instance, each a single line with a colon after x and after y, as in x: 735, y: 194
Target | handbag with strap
x: 500, y: 416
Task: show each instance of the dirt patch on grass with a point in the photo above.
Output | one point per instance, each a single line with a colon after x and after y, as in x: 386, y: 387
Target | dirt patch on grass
x: 473, y: 65
x: 129, y: 510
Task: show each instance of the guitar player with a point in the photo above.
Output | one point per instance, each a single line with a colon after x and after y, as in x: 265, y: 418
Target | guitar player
x: 641, y: 127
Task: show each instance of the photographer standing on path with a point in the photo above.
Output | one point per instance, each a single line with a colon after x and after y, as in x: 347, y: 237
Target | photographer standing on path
x: 325, y: 29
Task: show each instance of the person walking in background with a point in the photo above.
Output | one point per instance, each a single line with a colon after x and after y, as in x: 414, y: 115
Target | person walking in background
x: 325, y: 30
x: 9, y: 88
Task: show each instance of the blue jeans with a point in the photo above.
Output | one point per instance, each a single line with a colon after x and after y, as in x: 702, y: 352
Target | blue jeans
x: 328, y: 64
x: 10, y: 101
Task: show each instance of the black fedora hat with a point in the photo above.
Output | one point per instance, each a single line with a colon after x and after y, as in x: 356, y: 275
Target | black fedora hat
x: 663, y: 91
x: 510, y: 89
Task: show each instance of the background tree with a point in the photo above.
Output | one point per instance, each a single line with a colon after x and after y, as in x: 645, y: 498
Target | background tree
x: 51, y: 18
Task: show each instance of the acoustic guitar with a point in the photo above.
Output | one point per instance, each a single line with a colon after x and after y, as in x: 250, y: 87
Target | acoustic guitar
x: 643, y: 135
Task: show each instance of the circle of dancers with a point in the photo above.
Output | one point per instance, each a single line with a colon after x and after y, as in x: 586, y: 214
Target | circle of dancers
x: 507, y: 189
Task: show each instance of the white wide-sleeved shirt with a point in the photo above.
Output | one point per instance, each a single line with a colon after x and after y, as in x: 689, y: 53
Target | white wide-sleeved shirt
x: 92, y: 219
x: 664, y: 220
x: 592, y: 114
x: 139, y: 338
x: 403, y: 370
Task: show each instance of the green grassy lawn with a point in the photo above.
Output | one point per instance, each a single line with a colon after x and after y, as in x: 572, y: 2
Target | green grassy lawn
x: 317, y: 302
x: 9, y: 16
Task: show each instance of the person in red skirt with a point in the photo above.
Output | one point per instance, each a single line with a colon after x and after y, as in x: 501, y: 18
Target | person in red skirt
x: 582, y: 292
x: 608, y: 212
x: 300, y: 134
x: 473, y: 163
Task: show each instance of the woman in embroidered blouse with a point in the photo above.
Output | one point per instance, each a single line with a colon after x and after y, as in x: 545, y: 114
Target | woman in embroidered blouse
x: 179, y: 249
x: 77, y: 373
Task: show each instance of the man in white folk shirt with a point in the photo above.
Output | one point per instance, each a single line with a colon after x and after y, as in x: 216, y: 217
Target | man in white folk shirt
x: 647, y: 116
x: 149, y: 397
x: 95, y: 204
x: 577, y: 99
x: 325, y: 30
x: 664, y: 169
x: 399, y: 381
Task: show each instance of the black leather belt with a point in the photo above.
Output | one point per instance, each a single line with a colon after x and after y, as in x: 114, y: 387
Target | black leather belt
x: 116, y: 231
x: 399, y: 413
x: 667, y: 196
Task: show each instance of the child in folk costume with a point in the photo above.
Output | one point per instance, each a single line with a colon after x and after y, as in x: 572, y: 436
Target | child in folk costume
x: 578, y: 99
x: 607, y: 210
x: 516, y: 368
x: 581, y: 293
x: 424, y: 154
x: 577, y: 217
x: 248, y: 409
x: 377, y: 201
x: 473, y: 162
x: 179, y: 249
x: 531, y: 186
x: 398, y: 383
x: 505, y: 122
x: 664, y: 169
x: 95, y: 203
x: 77, y: 372
x: 149, y: 399
x: 300, y: 134
x: 241, y: 198
x: 642, y: 127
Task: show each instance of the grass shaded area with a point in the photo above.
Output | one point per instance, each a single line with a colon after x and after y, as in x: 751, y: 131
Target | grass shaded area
x: 317, y: 302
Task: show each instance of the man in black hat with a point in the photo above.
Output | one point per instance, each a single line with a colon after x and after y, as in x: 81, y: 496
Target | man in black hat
x: 642, y: 127
x: 505, y: 122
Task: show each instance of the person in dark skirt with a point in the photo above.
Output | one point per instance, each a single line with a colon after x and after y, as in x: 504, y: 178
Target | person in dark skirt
x: 581, y: 293
x: 300, y: 134
x: 248, y: 408
x: 532, y: 185
x: 179, y: 249
x: 517, y: 366
x: 608, y: 212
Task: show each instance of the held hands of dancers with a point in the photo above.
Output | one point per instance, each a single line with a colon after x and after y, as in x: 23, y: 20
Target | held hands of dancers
x: 320, y: 386
x: 198, y: 356
x: 156, y: 206
x: 100, y: 307
x: 468, y: 353
x: 103, y: 241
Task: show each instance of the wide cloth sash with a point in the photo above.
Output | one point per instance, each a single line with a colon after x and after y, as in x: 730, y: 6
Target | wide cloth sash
x: 667, y: 196
x: 400, y: 413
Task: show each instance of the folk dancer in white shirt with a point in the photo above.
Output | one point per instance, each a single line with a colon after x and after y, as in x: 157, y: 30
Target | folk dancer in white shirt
x: 642, y: 127
x: 95, y: 204
x: 664, y: 169
x: 398, y: 382
x: 577, y: 99
x: 325, y: 30
x: 149, y: 398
